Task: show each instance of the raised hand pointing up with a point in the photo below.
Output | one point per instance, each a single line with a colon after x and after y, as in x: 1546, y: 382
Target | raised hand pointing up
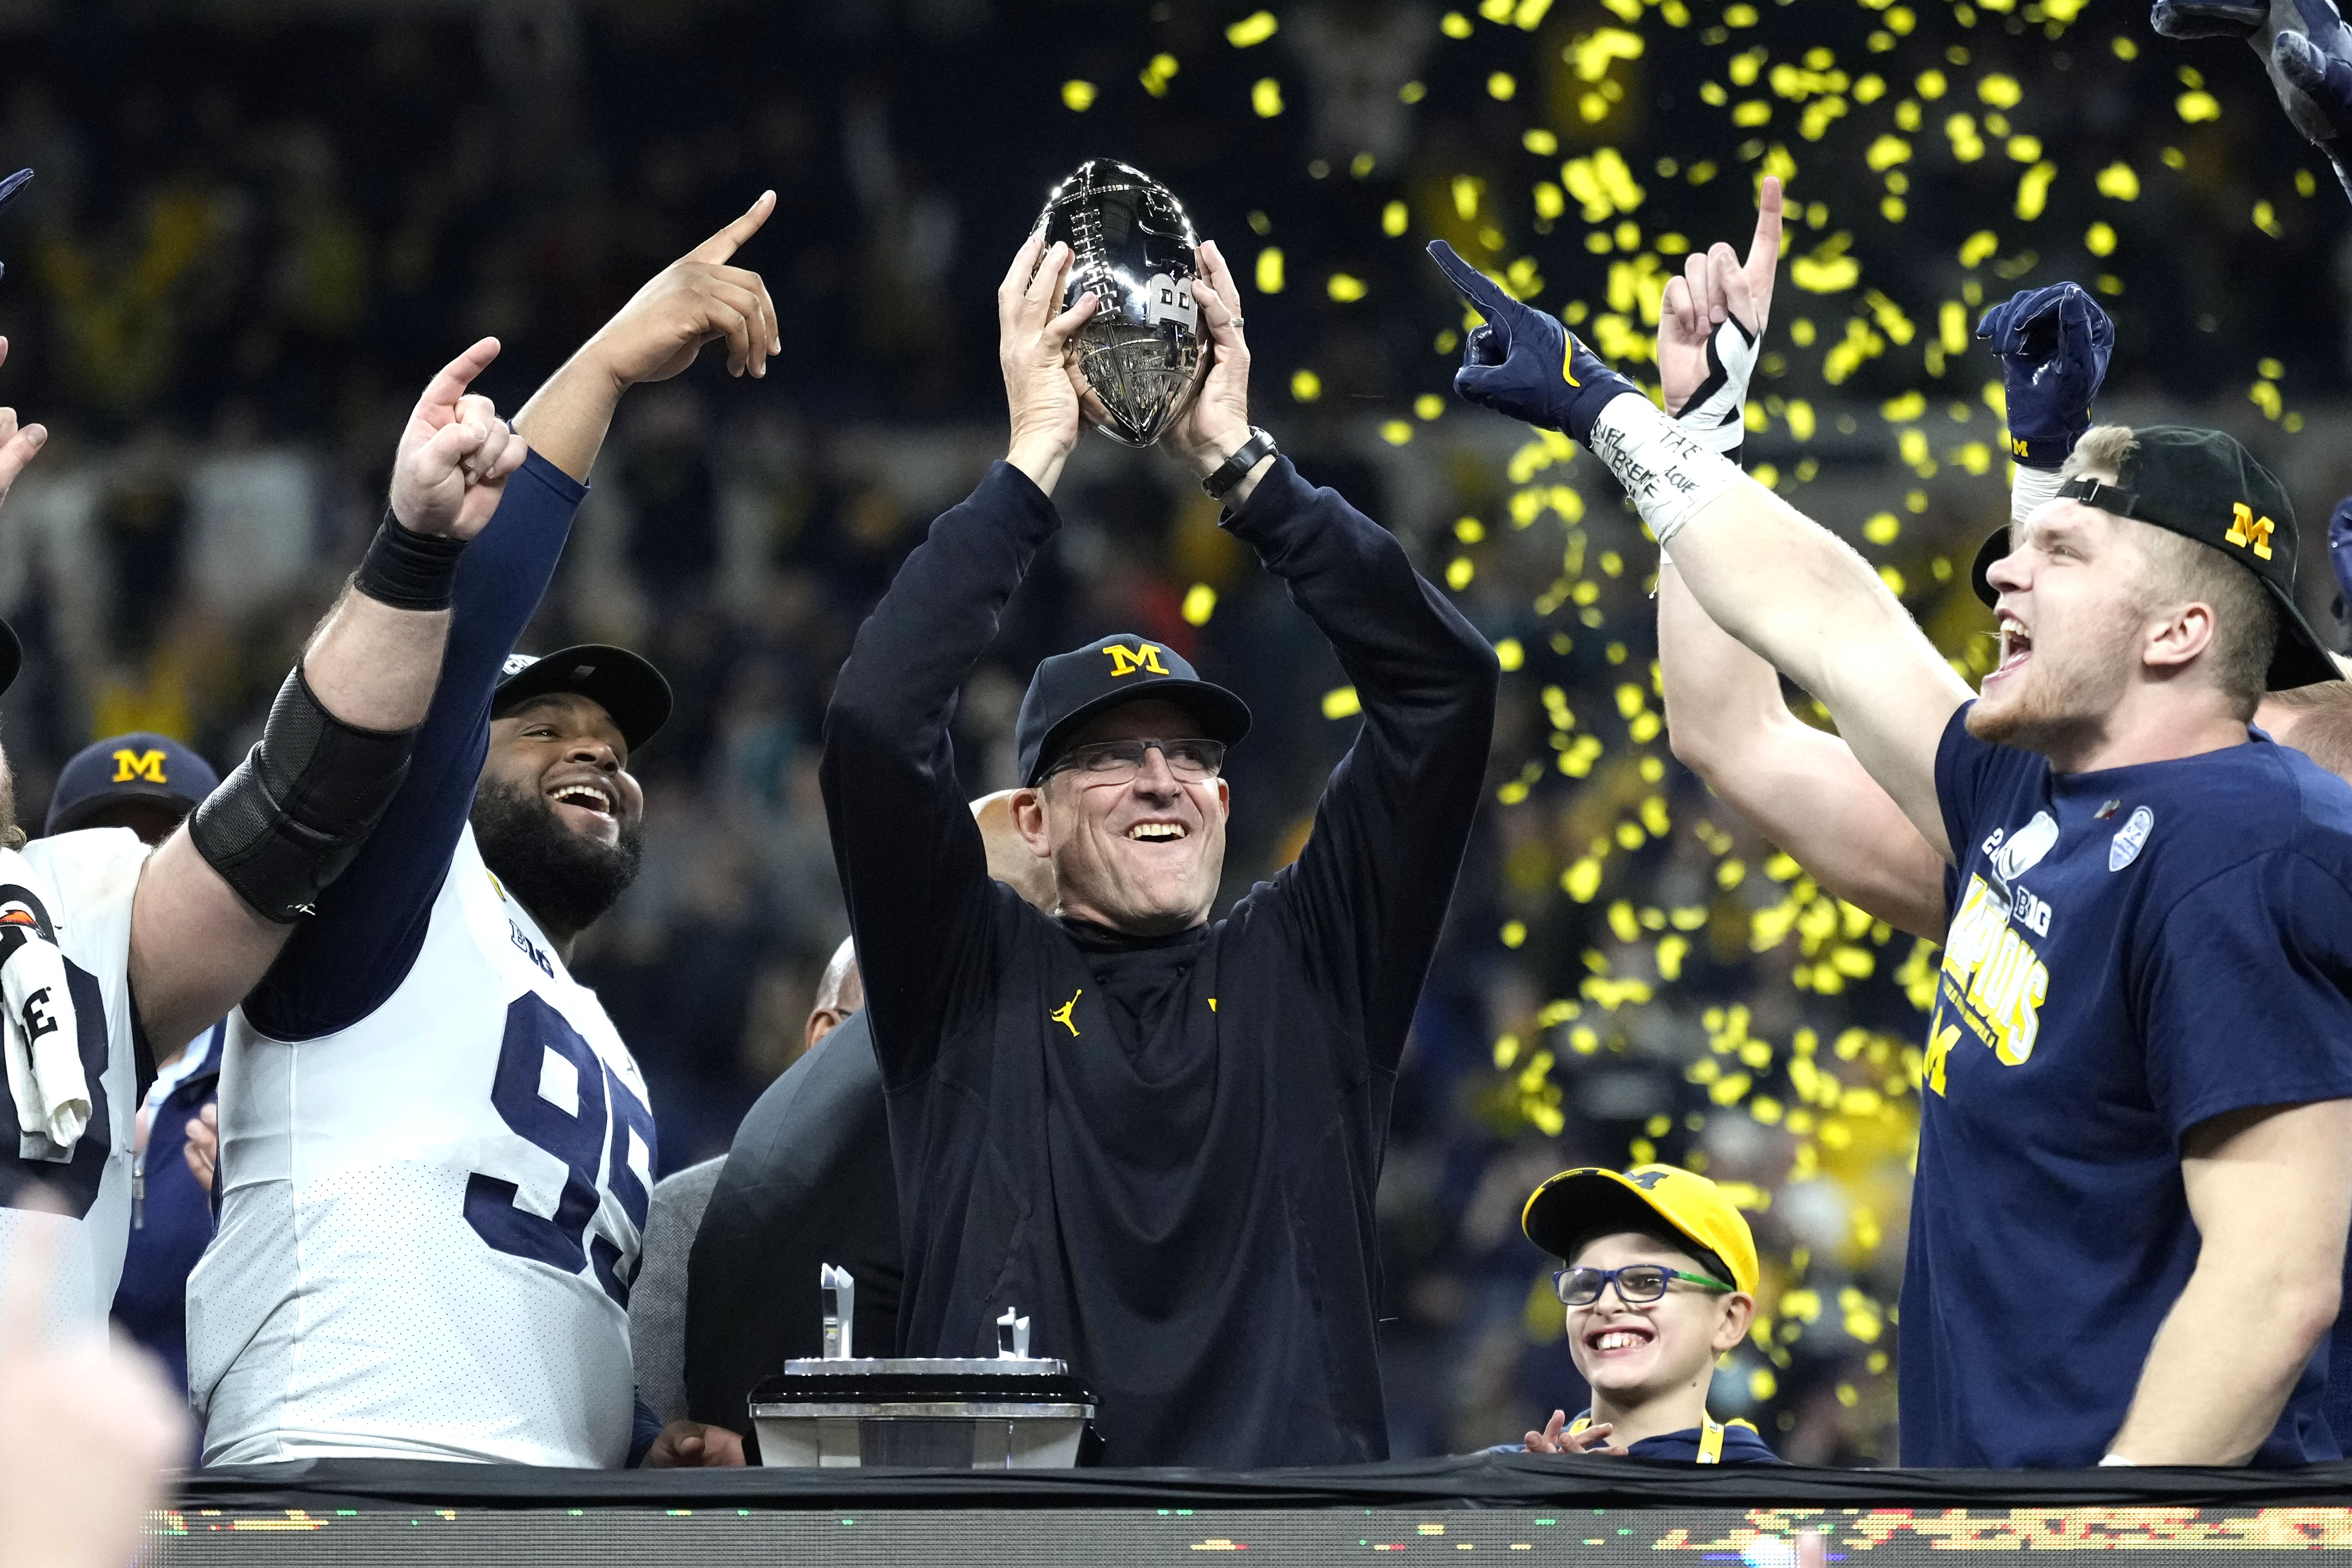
x: 454, y: 453
x: 696, y: 299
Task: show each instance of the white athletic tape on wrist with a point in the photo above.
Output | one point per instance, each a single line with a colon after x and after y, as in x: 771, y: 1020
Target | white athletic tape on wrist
x: 2033, y: 488
x: 1667, y: 472
x: 1717, y: 414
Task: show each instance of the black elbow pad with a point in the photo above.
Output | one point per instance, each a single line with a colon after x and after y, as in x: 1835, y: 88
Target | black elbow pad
x: 290, y: 819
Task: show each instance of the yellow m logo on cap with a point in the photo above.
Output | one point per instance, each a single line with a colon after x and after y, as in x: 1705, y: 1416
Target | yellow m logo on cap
x: 1125, y: 661
x: 137, y: 767
x: 2245, y: 528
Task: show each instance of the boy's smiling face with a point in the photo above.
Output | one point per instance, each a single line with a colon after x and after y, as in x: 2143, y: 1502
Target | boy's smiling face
x: 1634, y: 1353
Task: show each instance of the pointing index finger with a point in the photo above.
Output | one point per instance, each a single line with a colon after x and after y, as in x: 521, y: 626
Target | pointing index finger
x: 723, y: 243
x: 449, y: 384
x: 1480, y: 290
x: 1764, y: 251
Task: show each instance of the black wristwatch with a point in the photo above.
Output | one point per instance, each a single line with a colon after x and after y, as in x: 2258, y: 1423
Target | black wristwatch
x: 1230, y: 472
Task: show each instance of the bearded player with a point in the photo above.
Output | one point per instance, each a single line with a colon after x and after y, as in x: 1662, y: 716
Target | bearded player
x: 2140, y: 1073
x: 1801, y: 788
x: 435, y: 1147
x: 112, y: 958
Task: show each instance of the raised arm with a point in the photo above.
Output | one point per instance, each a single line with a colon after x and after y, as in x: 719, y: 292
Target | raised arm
x: 1798, y: 786
x: 1371, y: 886
x: 219, y: 901
x: 1781, y: 584
x: 912, y: 862
x: 353, y: 953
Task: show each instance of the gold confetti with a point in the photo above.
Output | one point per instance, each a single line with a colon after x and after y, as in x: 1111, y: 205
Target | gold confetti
x: 1078, y: 96
x: 1269, y: 271
x: 1252, y: 29
x: 1266, y: 97
x: 1341, y: 702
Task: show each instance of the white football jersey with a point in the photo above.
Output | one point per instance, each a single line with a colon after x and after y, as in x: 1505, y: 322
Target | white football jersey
x: 429, y: 1219
x: 78, y: 889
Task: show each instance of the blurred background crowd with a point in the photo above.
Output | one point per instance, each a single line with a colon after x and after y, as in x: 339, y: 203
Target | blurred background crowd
x: 257, y: 226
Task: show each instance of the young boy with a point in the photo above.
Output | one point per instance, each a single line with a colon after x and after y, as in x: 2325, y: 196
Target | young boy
x: 1661, y: 1281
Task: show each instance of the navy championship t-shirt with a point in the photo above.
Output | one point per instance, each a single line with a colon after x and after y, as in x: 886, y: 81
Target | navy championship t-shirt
x: 2131, y: 952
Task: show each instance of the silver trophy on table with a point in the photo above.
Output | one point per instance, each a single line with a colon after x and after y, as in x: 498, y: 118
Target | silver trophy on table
x: 1142, y: 352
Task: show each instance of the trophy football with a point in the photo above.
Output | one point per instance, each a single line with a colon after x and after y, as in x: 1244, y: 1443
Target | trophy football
x: 1131, y: 247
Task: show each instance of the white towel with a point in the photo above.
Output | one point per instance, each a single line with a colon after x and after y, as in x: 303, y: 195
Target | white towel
x: 43, y: 1046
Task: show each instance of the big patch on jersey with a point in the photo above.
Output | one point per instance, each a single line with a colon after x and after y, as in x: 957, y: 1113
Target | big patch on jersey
x: 2130, y: 839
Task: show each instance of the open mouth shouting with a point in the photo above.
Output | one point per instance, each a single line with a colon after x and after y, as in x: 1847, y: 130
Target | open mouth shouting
x: 589, y: 804
x: 2016, y: 648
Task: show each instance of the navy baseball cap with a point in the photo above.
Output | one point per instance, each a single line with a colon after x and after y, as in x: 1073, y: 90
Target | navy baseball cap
x: 2204, y: 486
x: 136, y: 767
x: 1068, y: 689
x: 624, y: 685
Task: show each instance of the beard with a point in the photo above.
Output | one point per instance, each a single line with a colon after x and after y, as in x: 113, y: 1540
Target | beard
x: 2060, y: 703
x: 565, y: 880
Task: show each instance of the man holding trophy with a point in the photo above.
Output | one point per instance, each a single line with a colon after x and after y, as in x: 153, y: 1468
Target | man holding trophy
x: 1156, y: 1136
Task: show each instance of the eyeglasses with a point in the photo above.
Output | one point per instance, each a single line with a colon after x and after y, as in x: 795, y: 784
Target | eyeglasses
x: 1192, y: 761
x: 1637, y: 1284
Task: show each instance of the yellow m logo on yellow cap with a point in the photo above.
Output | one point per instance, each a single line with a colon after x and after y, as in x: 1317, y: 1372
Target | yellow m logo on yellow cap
x: 2245, y: 528
x: 1125, y: 661
x: 139, y: 766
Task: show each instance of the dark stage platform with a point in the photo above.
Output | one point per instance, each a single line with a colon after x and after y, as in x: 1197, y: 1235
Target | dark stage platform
x: 1528, y: 1509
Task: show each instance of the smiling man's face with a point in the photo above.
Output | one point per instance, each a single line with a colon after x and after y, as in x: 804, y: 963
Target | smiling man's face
x: 566, y: 750
x: 1144, y: 856
x: 557, y: 815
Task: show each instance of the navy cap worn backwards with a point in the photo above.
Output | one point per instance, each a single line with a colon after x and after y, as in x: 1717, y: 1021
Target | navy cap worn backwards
x: 625, y: 685
x: 2204, y: 486
x: 1068, y: 689
x: 138, y: 767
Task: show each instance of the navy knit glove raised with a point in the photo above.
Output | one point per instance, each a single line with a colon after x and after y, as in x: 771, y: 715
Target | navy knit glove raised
x: 2306, y: 47
x: 1523, y: 362
x: 2339, y: 549
x: 2053, y: 345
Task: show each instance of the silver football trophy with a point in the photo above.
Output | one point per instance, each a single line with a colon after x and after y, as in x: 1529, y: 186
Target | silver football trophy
x: 1131, y: 246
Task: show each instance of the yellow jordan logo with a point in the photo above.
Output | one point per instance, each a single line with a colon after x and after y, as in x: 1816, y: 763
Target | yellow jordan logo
x: 1061, y: 1015
x: 1124, y: 661
x: 131, y: 767
x: 2245, y: 528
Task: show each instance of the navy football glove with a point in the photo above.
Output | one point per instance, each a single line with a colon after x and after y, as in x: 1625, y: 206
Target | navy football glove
x: 2053, y: 345
x: 2306, y: 47
x: 1523, y: 362
x: 2208, y: 19
x: 2340, y: 551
